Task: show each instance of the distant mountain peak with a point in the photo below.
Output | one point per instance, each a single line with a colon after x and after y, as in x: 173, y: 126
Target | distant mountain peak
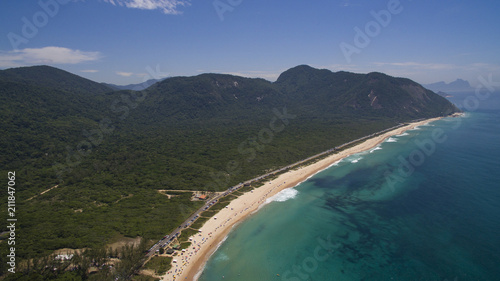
x: 135, y: 87
x: 459, y: 85
x: 302, y: 72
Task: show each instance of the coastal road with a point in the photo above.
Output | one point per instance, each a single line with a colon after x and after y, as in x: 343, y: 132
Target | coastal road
x: 166, y: 240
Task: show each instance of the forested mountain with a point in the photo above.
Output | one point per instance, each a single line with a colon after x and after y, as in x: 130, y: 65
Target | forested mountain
x: 374, y: 94
x: 54, y: 78
x: 109, y: 152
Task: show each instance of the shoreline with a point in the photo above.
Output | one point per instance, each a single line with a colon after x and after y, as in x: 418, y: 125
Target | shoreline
x: 215, y: 230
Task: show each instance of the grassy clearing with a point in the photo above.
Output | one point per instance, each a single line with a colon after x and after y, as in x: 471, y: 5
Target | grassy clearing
x: 185, y: 245
x: 185, y: 234
x: 159, y: 264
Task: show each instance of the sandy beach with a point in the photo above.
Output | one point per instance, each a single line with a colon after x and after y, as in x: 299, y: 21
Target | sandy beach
x: 189, y: 263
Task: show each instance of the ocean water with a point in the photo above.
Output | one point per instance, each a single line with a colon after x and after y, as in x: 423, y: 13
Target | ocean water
x: 424, y: 205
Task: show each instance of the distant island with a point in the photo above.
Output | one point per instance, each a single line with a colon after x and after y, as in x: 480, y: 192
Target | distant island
x: 99, y: 167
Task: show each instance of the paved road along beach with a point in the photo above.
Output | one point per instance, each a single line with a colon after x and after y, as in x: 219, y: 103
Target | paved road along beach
x: 190, y: 263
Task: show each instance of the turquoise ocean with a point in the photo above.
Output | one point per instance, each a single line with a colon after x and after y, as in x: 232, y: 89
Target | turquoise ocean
x: 424, y: 205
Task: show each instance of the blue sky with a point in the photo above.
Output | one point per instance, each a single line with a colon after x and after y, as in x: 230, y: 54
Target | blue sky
x: 122, y: 41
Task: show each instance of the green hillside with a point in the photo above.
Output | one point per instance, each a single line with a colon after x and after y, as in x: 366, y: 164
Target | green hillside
x: 109, y: 152
x: 51, y: 77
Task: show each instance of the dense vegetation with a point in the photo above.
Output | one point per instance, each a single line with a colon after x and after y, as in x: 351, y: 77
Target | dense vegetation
x: 109, y: 152
x: 96, y: 264
x: 160, y: 265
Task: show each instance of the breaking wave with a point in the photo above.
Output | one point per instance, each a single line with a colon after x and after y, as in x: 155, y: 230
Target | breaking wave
x: 283, y: 195
x: 356, y: 160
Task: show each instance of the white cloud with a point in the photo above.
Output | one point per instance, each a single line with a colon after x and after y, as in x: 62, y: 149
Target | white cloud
x: 46, y: 55
x: 343, y: 67
x: 143, y: 75
x: 89, y: 70
x: 348, y: 3
x: 169, y: 7
x: 417, y: 65
x: 487, y: 67
x: 473, y: 67
x: 125, y: 74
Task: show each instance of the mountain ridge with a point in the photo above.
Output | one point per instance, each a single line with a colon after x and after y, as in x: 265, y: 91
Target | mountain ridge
x: 51, y: 77
x: 109, y: 152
